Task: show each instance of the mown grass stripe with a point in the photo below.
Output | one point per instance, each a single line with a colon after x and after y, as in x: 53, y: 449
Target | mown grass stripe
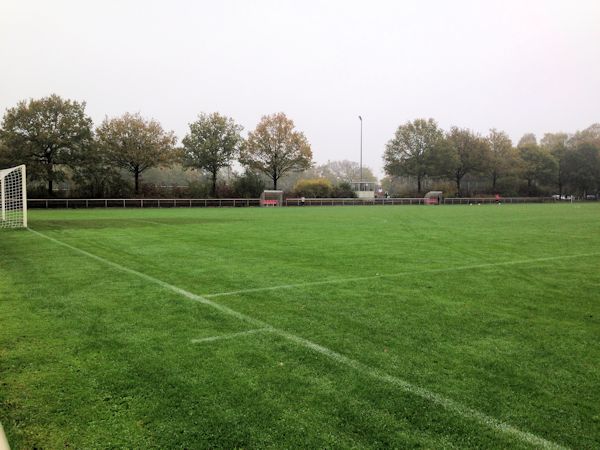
x: 447, y: 403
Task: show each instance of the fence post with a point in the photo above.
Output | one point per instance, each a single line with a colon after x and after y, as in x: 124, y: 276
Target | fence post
x: 105, y: 203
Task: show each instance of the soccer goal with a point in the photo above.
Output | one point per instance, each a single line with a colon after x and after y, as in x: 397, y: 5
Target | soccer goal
x: 271, y: 198
x: 13, y: 198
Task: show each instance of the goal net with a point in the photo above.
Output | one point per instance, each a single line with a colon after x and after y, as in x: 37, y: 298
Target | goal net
x: 13, y: 198
x: 271, y: 198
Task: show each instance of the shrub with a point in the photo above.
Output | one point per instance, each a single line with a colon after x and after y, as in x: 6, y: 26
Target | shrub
x: 248, y: 185
x: 199, y: 189
x: 343, y: 190
x: 313, y: 188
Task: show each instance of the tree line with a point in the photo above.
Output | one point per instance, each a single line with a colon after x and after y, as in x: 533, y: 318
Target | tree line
x: 559, y: 162
x: 56, y: 139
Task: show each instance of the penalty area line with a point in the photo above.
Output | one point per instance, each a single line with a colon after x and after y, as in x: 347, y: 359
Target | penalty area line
x: 229, y: 336
x: 444, y: 402
x: 151, y: 221
x: 395, y: 275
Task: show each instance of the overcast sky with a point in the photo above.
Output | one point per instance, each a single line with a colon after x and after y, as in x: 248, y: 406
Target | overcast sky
x: 520, y: 66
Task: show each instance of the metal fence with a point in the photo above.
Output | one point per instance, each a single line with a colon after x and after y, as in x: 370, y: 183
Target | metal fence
x: 57, y: 203
x: 411, y: 201
x: 353, y: 201
x: 484, y: 200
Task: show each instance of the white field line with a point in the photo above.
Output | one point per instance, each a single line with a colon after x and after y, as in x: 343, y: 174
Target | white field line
x: 229, y: 336
x: 446, y: 403
x: 398, y: 274
x: 3, y: 441
x: 151, y: 221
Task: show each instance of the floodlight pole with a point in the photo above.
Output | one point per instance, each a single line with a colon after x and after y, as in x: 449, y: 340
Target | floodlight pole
x: 361, y: 140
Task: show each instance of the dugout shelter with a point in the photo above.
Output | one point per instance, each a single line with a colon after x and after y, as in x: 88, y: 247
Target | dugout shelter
x: 434, y: 198
x: 271, y: 198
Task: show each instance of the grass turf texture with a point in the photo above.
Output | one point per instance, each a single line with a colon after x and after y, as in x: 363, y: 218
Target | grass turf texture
x: 496, y: 308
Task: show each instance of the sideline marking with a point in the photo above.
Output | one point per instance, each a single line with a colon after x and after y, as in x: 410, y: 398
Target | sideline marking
x: 229, y: 336
x: 394, y: 275
x: 447, y: 403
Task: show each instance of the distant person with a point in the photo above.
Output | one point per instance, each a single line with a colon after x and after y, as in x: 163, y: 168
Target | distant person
x: 498, y: 199
x: 302, y: 200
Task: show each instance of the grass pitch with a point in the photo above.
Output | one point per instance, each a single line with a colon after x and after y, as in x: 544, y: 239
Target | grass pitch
x: 343, y: 327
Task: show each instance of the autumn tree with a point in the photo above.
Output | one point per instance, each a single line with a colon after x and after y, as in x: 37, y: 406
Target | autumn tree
x: 276, y: 148
x: 556, y: 145
x: 502, y: 155
x: 538, y: 166
x: 471, y: 154
x: 136, y: 144
x: 95, y: 175
x: 590, y: 135
x: 413, y: 149
x: 211, y: 144
x: 582, y: 168
x: 527, y: 139
x: 248, y: 185
x: 581, y: 160
x: 5, y: 155
x: 343, y: 171
x: 46, y: 134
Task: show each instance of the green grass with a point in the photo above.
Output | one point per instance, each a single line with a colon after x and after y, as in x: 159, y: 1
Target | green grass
x: 494, y: 308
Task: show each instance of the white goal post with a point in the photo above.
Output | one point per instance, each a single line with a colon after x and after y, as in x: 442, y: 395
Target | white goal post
x: 13, y: 198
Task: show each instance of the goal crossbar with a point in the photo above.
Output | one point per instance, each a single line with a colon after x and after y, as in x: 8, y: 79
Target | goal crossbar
x: 13, y: 197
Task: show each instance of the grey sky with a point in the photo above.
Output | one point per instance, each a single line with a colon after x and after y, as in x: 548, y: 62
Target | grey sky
x: 520, y: 66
